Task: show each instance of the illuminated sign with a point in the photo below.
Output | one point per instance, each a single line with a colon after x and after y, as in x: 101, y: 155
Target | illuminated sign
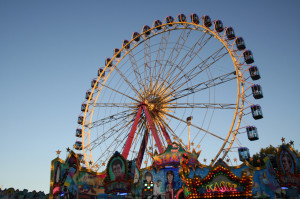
x: 223, y: 187
x: 220, y: 182
x: 172, y: 156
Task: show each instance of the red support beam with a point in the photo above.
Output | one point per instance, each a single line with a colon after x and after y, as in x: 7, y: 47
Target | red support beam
x: 153, y: 130
x: 142, y: 149
x: 131, y: 134
x: 165, y: 133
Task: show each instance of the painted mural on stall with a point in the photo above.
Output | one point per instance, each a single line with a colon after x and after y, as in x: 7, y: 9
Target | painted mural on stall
x: 264, y: 182
x: 118, y: 179
x: 63, y: 183
x: 69, y: 180
x: 162, y: 179
x: 172, y: 155
x: 165, y: 182
x: 176, y: 173
x: 288, y: 170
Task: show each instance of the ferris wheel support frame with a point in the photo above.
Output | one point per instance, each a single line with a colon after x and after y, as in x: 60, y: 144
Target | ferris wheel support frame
x: 131, y: 134
x: 152, y: 128
x: 142, y: 149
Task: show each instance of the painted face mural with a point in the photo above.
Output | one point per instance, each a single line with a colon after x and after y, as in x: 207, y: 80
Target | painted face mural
x: 117, y: 169
x: 170, y: 185
x: 148, y: 177
x: 286, y: 162
x: 136, y: 175
x: 170, y: 176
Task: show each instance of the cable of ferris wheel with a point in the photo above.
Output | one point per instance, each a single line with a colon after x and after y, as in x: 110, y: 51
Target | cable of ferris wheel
x: 196, y: 127
x: 206, y: 84
x: 113, y: 143
x: 119, y: 92
x: 202, y: 64
x: 184, y: 83
x: 185, y: 66
x: 113, y: 131
x: 136, y: 70
x: 127, y: 81
x: 162, y: 48
x: 202, y: 105
x: 173, y: 59
x: 110, y: 118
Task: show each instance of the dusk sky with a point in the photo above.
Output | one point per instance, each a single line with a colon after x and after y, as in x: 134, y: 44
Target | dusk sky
x: 51, y: 50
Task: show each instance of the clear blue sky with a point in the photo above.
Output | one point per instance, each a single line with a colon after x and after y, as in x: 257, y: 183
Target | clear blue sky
x: 50, y: 50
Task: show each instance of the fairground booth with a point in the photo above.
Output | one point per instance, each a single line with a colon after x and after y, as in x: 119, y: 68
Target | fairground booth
x: 176, y: 173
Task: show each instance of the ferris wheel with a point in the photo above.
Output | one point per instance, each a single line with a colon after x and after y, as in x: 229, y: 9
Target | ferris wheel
x: 185, y: 79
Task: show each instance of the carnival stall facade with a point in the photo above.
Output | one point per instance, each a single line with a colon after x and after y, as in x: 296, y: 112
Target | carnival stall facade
x: 176, y: 173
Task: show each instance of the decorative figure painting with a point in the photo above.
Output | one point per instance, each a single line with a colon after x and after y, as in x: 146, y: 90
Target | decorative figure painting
x: 117, y: 168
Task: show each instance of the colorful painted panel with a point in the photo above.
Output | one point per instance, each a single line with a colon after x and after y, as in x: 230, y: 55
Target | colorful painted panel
x: 172, y: 156
x: 173, y: 175
x: 69, y: 180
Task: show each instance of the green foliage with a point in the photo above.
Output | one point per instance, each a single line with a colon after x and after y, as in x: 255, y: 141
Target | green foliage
x: 258, y: 158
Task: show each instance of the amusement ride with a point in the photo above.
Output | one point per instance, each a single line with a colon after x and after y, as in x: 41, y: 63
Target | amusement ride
x: 187, y: 79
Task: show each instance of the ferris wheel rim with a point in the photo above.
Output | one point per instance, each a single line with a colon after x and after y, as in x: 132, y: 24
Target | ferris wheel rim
x: 215, y: 34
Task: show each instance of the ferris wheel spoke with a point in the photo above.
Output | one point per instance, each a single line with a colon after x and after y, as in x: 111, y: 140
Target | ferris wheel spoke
x: 190, y: 75
x: 163, y: 130
x: 177, y: 94
x: 136, y: 71
x: 128, y: 82
x: 123, y: 132
x: 160, y: 133
x: 114, y: 117
x: 147, y: 62
x: 181, y: 120
x: 160, y: 55
x: 205, y: 115
x: 215, y: 57
x: 173, y: 56
x: 178, y: 46
x: 119, y: 92
x: 234, y: 138
x: 202, y: 105
x: 172, y: 132
x: 113, y: 146
x: 108, y: 133
x: 165, y: 124
x: 124, y: 105
x: 117, y: 133
x: 188, y: 57
x: 192, y: 52
x: 106, y: 155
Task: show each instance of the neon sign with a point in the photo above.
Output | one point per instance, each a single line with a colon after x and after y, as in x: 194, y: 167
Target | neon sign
x: 171, y: 158
x: 223, y: 187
